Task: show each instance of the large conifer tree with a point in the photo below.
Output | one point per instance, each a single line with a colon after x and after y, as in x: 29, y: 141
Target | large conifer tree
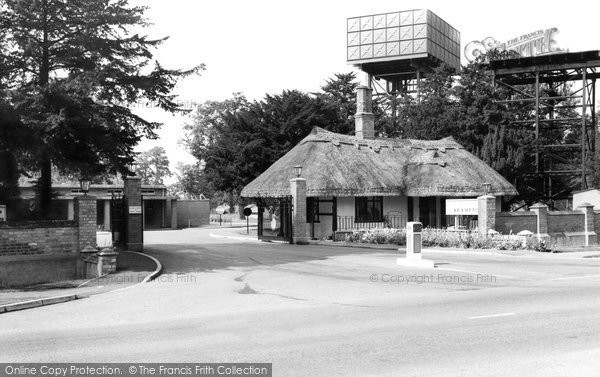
x: 74, y: 67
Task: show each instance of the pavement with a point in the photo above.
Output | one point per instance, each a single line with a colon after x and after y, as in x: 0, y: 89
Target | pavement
x: 331, y: 311
x: 132, y: 269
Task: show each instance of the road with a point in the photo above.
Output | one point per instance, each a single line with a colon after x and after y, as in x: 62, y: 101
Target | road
x: 331, y: 311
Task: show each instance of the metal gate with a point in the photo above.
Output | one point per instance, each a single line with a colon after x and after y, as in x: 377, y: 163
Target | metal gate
x: 118, y: 222
x: 275, y: 219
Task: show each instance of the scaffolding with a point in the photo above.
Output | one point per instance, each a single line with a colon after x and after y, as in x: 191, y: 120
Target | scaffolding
x: 558, y: 93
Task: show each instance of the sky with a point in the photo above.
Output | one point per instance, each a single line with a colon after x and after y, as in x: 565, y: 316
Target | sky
x: 263, y: 46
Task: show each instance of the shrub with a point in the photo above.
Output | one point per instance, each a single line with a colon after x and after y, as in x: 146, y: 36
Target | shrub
x: 533, y: 243
x: 378, y: 236
x: 446, y: 238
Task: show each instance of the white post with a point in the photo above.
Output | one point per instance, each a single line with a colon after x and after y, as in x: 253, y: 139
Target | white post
x: 71, y: 209
x: 107, y: 215
x: 414, y: 257
x: 413, y: 240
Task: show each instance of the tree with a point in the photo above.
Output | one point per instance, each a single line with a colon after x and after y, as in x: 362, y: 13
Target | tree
x: 12, y: 145
x: 240, y: 140
x: 191, y: 181
x: 341, y: 92
x: 433, y: 114
x: 153, y: 166
x: 207, y: 121
x: 74, y: 67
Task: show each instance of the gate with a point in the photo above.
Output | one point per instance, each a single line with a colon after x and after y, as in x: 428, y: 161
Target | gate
x: 118, y: 222
x: 275, y: 219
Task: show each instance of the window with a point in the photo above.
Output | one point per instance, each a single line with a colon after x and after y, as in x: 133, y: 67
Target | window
x: 368, y: 209
x: 312, y: 210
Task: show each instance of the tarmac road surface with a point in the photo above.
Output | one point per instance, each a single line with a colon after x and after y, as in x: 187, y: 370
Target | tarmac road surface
x: 330, y: 311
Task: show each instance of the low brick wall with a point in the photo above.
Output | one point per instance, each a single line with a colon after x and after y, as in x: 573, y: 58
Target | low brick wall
x: 514, y: 222
x: 193, y: 213
x: 23, y: 270
x: 558, y: 228
x: 565, y: 222
x: 48, y: 237
x: 37, y: 252
x: 597, y: 222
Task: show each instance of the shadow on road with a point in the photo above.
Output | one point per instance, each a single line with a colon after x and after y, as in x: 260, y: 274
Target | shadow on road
x: 184, y: 258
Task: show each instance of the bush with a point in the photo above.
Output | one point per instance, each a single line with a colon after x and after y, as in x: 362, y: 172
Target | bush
x: 378, y: 236
x: 446, y: 238
x: 533, y: 243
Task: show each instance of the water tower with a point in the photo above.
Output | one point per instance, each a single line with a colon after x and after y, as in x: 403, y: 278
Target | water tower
x: 396, y: 49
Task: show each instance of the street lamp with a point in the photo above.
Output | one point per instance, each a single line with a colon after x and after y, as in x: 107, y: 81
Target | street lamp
x: 298, y: 170
x: 132, y: 168
x: 84, y: 184
x: 486, y: 188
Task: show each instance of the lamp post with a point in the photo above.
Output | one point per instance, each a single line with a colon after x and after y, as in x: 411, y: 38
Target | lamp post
x: 132, y: 167
x: 298, y: 170
x: 486, y: 188
x: 84, y: 185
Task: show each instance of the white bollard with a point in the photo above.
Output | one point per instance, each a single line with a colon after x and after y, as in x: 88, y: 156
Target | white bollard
x: 414, y: 258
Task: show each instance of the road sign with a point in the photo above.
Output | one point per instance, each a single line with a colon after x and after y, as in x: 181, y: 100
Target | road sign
x: 135, y: 210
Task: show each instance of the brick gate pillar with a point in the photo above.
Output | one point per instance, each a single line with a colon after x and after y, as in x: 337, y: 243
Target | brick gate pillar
x: 541, y: 210
x: 173, y: 213
x: 486, y: 214
x: 133, y: 214
x: 85, y: 214
x: 590, y: 232
x: 298, y: 191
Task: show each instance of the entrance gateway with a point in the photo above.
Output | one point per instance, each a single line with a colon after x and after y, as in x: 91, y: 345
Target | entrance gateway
x: 275, y: 219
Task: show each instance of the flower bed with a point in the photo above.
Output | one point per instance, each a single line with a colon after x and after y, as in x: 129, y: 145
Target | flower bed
x: 447, y: 238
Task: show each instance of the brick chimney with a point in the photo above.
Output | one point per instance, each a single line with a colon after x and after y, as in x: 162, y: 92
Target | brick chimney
x: 364, y: 120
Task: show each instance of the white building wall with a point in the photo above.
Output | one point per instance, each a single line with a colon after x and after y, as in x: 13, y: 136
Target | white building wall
x: 345, y: 206
x: 591, y: 196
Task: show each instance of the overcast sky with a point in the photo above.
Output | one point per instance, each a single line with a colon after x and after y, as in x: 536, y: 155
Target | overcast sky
x: 261, y: 46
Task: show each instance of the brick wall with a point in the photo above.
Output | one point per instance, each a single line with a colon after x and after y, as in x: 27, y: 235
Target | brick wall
x: 565, y: 221
x: 197, y: 212
x: 85, y: 213
x: 298, y: 191
x: 50, y: 237
x: 46, y: 251
x: 514, y: 222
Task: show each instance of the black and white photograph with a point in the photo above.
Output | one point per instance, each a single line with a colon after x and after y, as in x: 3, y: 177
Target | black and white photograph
x: 311, y: 188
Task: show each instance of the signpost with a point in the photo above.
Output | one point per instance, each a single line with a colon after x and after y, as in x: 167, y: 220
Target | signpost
x: 247, y: 213
x: 461, y: 207
x: 220, y: 211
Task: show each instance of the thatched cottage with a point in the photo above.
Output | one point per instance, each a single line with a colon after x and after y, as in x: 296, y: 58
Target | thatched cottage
x: 361, y: 181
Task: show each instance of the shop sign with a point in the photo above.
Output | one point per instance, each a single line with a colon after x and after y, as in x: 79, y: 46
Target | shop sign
x: 456, y: 207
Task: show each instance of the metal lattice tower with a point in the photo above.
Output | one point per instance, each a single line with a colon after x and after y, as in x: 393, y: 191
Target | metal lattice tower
x: 559, y: 93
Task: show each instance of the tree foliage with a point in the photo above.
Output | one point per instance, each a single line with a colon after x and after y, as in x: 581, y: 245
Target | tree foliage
x: 191, y: 182
x: 237, y: 139
x: 74, y: 67
x: 153, y: 166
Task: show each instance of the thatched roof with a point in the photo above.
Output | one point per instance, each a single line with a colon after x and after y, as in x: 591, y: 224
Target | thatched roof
x: 342, y: 165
